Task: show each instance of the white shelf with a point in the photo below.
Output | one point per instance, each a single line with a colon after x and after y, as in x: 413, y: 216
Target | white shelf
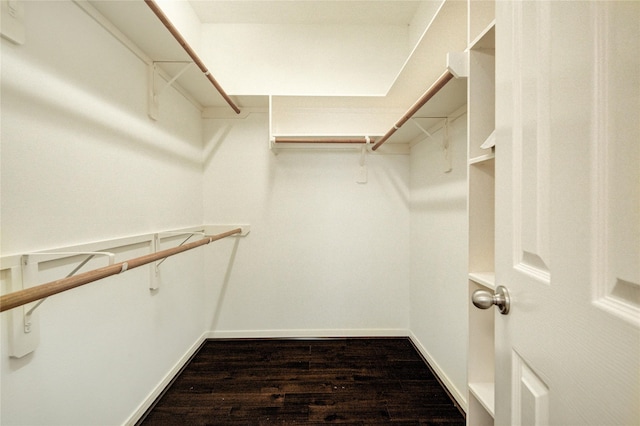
x: 292, y: 120
x: 482, y: 158
x: 367, y: 115
x: 141, y: 26
x: 135, y: 25
x: 482, y: 93
x: 490, y: 142
x: 486, y: 38
x: 448, y: 102
x: 485, y: 394
x: 486, y: 279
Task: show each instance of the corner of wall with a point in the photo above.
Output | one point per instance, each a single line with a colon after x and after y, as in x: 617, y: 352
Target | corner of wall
x: 460, y: 398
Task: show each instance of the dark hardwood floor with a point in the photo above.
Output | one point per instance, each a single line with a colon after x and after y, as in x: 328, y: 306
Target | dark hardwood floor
x: 362, y: 381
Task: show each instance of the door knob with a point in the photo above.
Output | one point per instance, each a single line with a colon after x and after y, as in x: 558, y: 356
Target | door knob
x: 484, y: 300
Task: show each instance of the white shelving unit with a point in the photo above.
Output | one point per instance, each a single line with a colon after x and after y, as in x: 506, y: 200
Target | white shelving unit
x: 373, y: 116
x: 481, y: 205
x: 135, y: 25
x: 290, y: 120
x: 486, y: 279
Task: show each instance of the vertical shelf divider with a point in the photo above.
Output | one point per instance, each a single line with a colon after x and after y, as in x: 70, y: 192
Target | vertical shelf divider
x: 481, y: 208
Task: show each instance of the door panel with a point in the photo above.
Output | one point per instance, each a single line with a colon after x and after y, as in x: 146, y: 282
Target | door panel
x: 617, y: 165
x: 530, y: 394
x: 568, y: 212
x: 530, y: 138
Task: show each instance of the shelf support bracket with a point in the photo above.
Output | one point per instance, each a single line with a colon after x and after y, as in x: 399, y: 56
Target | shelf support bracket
x: 191, y: 234
x: 362, y: 172
x: 155, y: 247
x: 422, y: 129
x: 445, y: 146
x: 154, y: 91
x: 445, y: 140
x: 24, y: 334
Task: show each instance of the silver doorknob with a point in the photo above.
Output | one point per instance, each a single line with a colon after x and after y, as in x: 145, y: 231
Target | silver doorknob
x: 484, y: 300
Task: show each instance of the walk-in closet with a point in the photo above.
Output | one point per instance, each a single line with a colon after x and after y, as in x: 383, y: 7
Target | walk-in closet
x: 455, y: 177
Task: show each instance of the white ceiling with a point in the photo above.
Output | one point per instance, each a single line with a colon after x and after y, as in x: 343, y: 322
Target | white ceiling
x: 343, y: 12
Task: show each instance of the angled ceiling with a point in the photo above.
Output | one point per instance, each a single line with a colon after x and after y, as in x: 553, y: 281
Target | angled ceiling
x: 371, y: 12
x: 309, y: 47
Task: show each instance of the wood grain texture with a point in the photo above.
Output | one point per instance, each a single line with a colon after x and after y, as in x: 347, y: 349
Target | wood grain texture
x: 334, y: 140
x: 356, y: 381
x: 430, y: 93
x: 28, y: 295
x: 157, y: 10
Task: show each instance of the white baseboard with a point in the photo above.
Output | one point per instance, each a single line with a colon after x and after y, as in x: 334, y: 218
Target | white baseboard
x: 153, y: 395
x: 453, y: 390
x: 307, y: 334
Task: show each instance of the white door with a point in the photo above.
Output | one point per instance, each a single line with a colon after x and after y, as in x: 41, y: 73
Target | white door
x: 567, y: 212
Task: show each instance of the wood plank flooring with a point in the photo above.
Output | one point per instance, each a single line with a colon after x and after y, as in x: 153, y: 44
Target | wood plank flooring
x: 361, y: 381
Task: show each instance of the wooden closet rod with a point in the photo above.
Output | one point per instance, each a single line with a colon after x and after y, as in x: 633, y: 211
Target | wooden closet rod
x: 430, y: 93
x: 28, y: 295
x: 176, y: 34
x: 321, y: 140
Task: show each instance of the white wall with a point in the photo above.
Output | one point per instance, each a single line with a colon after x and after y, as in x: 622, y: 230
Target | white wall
x: 438, y: 295
x: 78, y: 104
x: 326, y: 255
x: 81, y: 162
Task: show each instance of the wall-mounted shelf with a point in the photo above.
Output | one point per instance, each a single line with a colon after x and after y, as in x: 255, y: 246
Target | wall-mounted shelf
x: 481, y: 216
x: 481, y: 368
x: 26, y: 289
x: 486, y: 39
x: 315, y: 116
x: 484, y: 392
x: 138, y: 28
x: 481, y: 158
x: 486, y: 279
x: 482, y: 92
x: 292, y: 116
x: 278, y: 143
x: 445, y: 104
